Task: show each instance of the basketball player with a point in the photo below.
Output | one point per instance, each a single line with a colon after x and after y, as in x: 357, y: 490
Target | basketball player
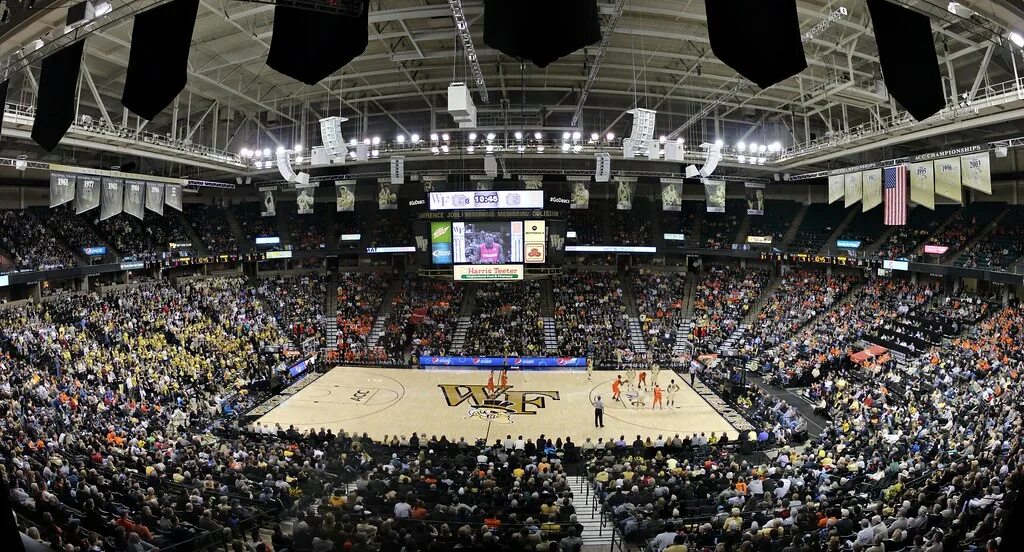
x: 617, y: 388
x: 490, y: 384
x: 490, y: 252
x: 655, y: 369
x: 504, y: 379
x: 642, y: 382
x: 657, y: 398
x: 590, y: 369
x: 672, y: 389
x: 630, y: 374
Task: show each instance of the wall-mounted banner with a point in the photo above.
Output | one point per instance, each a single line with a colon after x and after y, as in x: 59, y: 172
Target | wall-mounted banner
x: 534, y: 242
x: 306, y: 200
x: 580, y: 198
x: 345, y: 195
x: 976, y: 172
x: 714, y: 194
x: 755, y: 198
x: 836, y: 187
x: 155, y: 197
x: 624, y: 195
x: 135, y: 198
x: 112, y: 195
x: 268, y: 205
x: 922, y: 184
x: 947, y: 178
x: 398, y: 170
x: 62, y: 188
x: 87, y: 193
x: 517, y: 363
x: 854, y: 188
x: 949, y: 153
x: 872, y: 189
x: 671, y: 194
x: 387, y: 197
x: 532, y: 182
x: 172, y: 196
x: 759, y: 239
x: 441, y: 243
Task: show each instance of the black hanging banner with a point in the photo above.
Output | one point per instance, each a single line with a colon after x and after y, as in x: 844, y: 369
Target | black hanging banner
x: 135, y: 198
x: 541, y: 31
x: 113, y: 198
x: 87, y: 196
x: 55, y: 105
x: 906, y: 50
x: 158, y: 62
x: 62, y: 188
x: 155, y: 197
x: 745, y: 34
x: 309, y: 45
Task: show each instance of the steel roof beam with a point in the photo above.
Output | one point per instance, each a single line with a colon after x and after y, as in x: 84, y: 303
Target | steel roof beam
x: 595, y: 67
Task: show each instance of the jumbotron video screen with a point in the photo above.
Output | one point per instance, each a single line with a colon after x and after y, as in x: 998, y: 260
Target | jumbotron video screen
x: 487, y: 242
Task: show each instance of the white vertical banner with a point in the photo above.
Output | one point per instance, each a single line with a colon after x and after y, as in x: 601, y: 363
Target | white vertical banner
x: 602, y: 167
x: 854, y: 188
x: 872, y: 189
x: 836, y: 187
x: 947, y: 179
x: 976, y: 172
x: 922, y: 184
x: 398, y: 170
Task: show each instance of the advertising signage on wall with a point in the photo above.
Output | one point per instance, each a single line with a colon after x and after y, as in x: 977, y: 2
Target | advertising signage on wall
x: 488, y: 273
x: 487, y: 199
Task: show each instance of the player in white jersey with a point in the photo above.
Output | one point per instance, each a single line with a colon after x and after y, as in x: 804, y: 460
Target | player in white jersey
x: 671, y: 390
x: 655, y: 370
x: 590, y: 369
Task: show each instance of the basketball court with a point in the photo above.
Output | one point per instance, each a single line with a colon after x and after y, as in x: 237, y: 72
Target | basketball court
x: 380, y: 401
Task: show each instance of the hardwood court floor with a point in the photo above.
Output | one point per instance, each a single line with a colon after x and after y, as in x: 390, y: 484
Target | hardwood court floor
x: 383, y: 402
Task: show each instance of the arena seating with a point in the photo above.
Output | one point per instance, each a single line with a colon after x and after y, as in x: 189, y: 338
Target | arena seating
x: 74, y: 231
x: 297, y: 302
x: 211, y: 223
x: 720, y: 229
x: 866, y: 228
x: 966, y: 224
x: 723, y: 298
x: 1002, y: 248
x: 423, y: 316
x: 632, y: 227
x: 819, y: 222
x: 921, y: 222
x: 683, y: 221
x: 359, y: 298
x: 778, y: 216
x: 127, y: 235
x: 163, y: 230
x: 659, y: 300
x: 587, y: 227
x: 590, y: 315
x: 253, y: 224
x: 31, y: 244
x: 506, y: 321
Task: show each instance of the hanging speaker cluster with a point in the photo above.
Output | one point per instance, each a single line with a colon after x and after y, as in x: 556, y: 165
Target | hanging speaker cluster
x: 309, y: 45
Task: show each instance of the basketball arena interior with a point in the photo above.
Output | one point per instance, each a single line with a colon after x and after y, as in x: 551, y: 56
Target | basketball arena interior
x: 513, y: 276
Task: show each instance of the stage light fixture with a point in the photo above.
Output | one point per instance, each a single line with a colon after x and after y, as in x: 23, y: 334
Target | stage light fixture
x: 280, y: 150
x: 577, y: 135
x: 353, y: 155
x: 594, y: 137
x: 741, y: 158
x: 435, y: 150
x: 400, y: 138
x: 259, y: 164
x: 537, y: 136
x: 470, y: 149
x: 299, y: 159
x: 445, y: 137
x: 367, y: 141
x: 610, y: 136
x: 433, y: 137
x: 518, y: 135
x: 719, y: 143
x: 445, y: 148
x: 679, y: 140
x: 741, y: 146
x: 540, y: 148
x: 566, y: 136
x: 1016, y: 38
x: 244, y: 152
x: 472, y: 136
x: 375, y: 153
x: 375, y: 141
x: 565, y: 146
x: 762, y: 148
x: 489, y: 148
x: 415, y: 138
x: 266, y: 152
x: 491, y: 136
x: 353, y: 142
x: 577, y: 148
x: 521, y: 148
x: 663, y: 139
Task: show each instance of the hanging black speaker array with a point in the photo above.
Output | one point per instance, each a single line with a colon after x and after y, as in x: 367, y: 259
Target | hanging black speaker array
x: 158, y: 63
x: 907, y: 54
x: 540, y: 31
x: 55, y: 105
x: 760, y: 40
x: 310, y: 45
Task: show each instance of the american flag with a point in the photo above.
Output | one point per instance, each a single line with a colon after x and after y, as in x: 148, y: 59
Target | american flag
x: 894, y: 181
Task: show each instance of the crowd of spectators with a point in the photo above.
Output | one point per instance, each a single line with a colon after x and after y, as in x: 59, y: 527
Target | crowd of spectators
x: 1002, y: 248
x: 921, y: 223
x: 587, y: 226
x: 820, y: 220
x: 590, y: 315
x: 165, y: 229
x: 359, y: 298
x: 309, y: 232
x: 424, y: 314
x: 506, y: 321
x: 31, y: 244
x: 73, y: 230
x: 724, y: 296
x: 387, y: 230
x: 776, y: 220
x: 632, y: 227
x: 659, y: 299
x: 211, y: 224
x: 254, y: 224
x: 966, y: 224
x: 720, y: 229
x: 127, y: 235
x: 297, y: 302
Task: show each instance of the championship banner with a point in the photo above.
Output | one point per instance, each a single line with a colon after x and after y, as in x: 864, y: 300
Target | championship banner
x: 836, y: 187
x: 398, y: 170
x: 62, y: 188
x: 535, y: 241
x: 624, y: 195
x: 714, y: 194
x: 671, y: 194
x: 387, y: 197
x: 976, y: 172
x: 872, y: 189
x: 268, y: 205
x: 172, y: 196
x: 922, y: 184
x: 345, y: 195
x: 854, y: 188
x: 135, y: 198
x: 155, y: 197
x: 305, y: 200
x: 755, y: 198
x: 580, y: 198
x: 112, y: 195
x: 947, y: 179
x: 87, y: 194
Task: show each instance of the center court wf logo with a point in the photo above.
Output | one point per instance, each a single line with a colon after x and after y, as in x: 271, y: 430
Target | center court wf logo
x: 499, y: 406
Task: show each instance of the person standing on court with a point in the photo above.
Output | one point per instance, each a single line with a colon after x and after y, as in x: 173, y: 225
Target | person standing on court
x: 598, y: 412
x: 693, y: 372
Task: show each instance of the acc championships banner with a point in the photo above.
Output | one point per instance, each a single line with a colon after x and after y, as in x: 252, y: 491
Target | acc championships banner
x: 455, y: 362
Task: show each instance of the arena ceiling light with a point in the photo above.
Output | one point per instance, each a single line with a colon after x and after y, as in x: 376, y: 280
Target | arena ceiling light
x: 1016, y: 38
x: 741, y: 146
x: 538, y: 136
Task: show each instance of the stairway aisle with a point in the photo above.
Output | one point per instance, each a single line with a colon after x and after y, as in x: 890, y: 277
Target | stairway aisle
x: 547, y: 311
x: 465, y: 318
x: 588, y: 513
x: 791, y: 233
x: 838, y: 232
x: 380, y: 323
